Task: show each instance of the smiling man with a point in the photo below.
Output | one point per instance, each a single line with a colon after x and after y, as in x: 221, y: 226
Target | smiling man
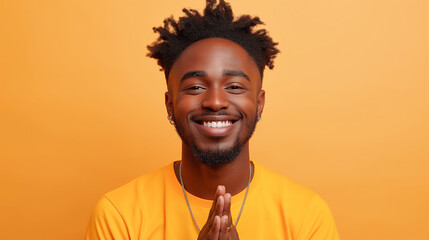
x: 214, y: 66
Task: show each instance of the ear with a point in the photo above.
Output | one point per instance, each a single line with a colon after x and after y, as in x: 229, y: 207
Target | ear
x: 261, y: 102
x: 169, y: 103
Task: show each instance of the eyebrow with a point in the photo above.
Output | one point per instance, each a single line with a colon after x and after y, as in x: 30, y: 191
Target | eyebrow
x: 226, y: 72
x: 235, y: 73
x: 193, y: 74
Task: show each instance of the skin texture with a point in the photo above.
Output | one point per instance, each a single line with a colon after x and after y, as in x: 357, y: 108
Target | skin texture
x: 215, y: 80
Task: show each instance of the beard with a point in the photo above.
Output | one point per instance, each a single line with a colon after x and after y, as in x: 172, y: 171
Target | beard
x: 217, y: 157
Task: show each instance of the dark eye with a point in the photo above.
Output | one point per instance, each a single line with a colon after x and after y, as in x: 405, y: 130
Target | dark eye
x: 194, y: 89
x: 235, y: 89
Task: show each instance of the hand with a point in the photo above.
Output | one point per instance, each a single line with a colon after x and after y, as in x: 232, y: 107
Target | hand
x: 219, y: 219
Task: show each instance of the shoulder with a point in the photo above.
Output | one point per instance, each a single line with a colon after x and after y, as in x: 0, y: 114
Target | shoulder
x: 138, y: 194
x: 140, y: 190
x: 119, y: 212
x: 139, y: 187
x: 305, y: 211
x: 278, y: 185
x: 106, y: 222
x: 292, y: 194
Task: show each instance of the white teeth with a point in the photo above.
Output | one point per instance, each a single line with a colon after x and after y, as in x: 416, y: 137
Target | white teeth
x: 218, y: 124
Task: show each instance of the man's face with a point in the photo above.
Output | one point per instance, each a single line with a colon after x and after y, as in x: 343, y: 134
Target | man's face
x: 214, y: 94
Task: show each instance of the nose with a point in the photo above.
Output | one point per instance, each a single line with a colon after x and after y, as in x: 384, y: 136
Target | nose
x: 215, y: 99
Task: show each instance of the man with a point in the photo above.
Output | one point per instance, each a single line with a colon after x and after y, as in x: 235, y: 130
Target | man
x: 214, y: 66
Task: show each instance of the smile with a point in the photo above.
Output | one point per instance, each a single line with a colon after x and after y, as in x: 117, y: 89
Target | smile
x: 217, y: 124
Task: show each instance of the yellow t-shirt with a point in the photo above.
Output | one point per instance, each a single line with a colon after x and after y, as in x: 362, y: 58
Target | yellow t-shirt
x: 153, y: 207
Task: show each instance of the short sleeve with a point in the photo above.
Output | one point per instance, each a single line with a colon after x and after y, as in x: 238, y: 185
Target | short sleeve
x: 318, y: 222
x: 106, y: 222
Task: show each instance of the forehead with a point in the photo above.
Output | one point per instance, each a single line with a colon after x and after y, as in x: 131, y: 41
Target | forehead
x: 214, y: 55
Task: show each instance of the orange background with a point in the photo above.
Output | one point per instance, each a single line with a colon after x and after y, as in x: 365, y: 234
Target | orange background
x: 82, y: 109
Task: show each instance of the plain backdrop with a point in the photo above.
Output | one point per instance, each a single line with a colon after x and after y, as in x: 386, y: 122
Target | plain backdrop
x: 82, y: 109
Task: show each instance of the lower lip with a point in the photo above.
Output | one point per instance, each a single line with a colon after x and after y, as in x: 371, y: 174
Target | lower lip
x: 215, y: 131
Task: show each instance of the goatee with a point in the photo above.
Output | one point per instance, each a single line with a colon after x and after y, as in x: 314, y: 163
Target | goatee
x: 217, y: 157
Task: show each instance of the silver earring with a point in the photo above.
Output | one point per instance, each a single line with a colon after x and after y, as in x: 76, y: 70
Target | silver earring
x: 170, y: 119
x: 259, y: 118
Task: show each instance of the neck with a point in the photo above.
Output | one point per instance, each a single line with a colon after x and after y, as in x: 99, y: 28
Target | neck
x: 201, y: 180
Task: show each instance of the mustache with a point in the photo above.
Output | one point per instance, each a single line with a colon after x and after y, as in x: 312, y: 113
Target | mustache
x: 218, y: 113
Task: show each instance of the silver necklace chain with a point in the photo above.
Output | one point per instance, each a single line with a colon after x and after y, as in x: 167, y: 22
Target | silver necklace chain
x: 189, y: 205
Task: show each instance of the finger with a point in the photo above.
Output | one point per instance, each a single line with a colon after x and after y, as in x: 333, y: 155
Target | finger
x: 214, y: 230
x: 220, y: 206
x: 227, y: 208
x: 218, y: 210
x: 223, y: 233
x: 220, y: 191
x: 232, y: 232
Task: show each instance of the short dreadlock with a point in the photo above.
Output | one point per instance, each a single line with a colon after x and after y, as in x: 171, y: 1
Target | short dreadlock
x: 217, y: 22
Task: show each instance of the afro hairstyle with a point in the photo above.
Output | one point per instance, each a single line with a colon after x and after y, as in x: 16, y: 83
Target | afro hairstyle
x: 217, y: 22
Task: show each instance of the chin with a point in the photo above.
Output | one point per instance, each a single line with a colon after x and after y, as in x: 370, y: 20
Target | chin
x: 217, y: 157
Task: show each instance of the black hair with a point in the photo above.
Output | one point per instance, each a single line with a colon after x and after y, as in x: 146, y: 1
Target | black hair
x: 217, y: 22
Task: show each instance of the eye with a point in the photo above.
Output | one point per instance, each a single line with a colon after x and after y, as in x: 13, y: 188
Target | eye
x: 194, y: 89
x: 235, y: 89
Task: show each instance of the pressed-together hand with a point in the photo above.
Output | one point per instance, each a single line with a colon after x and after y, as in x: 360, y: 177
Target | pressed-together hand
x: 219, y: 223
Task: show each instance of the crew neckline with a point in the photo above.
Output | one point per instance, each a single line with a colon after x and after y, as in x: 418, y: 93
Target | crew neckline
x: 205, y: 203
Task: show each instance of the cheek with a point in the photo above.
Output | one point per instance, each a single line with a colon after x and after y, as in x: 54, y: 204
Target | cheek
x: 183, y: 105
x: 245, y: 104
